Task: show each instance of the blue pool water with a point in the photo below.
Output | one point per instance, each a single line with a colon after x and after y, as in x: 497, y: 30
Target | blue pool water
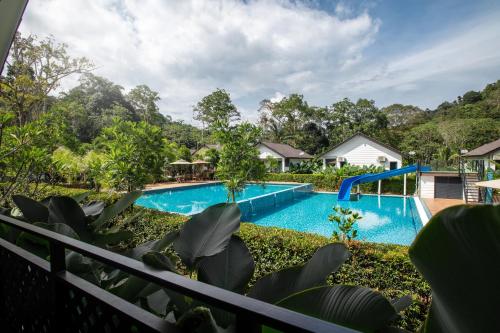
x: 194, y: 199
x: 385, y: 219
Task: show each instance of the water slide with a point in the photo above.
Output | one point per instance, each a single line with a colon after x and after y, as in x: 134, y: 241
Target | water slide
x: 348, y: 183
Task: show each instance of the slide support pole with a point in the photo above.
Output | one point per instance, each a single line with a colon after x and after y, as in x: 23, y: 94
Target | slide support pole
x: 404, y: 184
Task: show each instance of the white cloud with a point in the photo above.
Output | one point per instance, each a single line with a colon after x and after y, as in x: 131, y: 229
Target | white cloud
x: 186, y: 49
x: 255, y: 49
x: 466, y: 59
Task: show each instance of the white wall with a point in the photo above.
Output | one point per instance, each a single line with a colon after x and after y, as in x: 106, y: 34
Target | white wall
x: 266, y: 152
x: 427, y: 186
x: 361, y: 151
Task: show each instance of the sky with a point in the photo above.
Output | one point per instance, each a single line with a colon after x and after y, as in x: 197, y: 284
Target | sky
x: 418, y: 52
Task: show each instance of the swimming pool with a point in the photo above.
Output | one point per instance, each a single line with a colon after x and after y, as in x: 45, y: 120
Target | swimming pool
x: 385, y: 219
x: 194, y: 199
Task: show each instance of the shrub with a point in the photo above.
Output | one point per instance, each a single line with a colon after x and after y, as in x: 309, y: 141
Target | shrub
x: 383, y: 267
x: 331, y: 182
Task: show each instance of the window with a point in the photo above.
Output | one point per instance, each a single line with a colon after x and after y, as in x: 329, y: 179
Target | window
x: 393, y: 165
x: 287, y: 162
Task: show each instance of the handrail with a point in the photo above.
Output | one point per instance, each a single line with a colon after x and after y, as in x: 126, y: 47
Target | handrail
x: 246, y: 309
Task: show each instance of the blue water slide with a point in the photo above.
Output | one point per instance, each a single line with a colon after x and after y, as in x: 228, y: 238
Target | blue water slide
x: 348, y: 183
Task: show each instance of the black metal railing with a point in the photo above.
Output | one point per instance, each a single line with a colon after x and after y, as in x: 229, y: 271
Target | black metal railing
x: 37, y: 295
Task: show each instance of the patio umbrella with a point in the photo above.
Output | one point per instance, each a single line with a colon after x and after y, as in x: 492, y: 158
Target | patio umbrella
x: 490, y: 183
x: 181, y: 162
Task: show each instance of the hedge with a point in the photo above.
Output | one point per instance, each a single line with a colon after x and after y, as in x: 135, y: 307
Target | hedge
x: 383, y: 267
x: 329, y: 182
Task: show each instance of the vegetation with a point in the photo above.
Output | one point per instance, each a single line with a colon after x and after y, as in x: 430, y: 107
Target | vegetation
x: 239, y: 158
x: 207, y: 246
x: 261, y: 257
x: 331, y: 178
x: 346, y: 222
x: 461, y: 237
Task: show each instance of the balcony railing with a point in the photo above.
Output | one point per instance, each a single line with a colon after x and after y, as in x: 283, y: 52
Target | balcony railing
x: 37, y: 295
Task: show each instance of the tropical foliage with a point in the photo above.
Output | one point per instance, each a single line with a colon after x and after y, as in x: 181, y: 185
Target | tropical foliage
x: 208, y: 247
x: 239, y: 158
x: 345, y: 220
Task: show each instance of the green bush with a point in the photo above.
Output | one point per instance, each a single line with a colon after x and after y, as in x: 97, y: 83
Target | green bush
x: 331, y: 182
x: 383, y: 267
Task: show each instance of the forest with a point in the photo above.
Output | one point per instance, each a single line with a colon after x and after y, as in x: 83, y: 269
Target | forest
x: 99, y: 134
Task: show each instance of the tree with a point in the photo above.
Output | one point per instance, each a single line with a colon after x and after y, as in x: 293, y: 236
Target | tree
x: 67, y: 164
x: 399, y: 115
x: 184, y: 153
x: 181, y: 133
x: 144, y: 100
x: 239, y: 158
x: 283, y: 121
x: 35, y: 69
x: 346, y: 118
x: 312, y: 138
x: 94, y: 103
x: 135, y: 153
x: 216, y: 110
x: 468, y: 133
x: 424, y: 140
x: 471, y: 97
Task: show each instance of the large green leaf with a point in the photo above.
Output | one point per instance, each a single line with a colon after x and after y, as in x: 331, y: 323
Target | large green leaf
x: 278, y: 285
x: 156, y: 245
x: 458, y: 253
x: 158, y: 260
x: 230, y: 269
x: 67, y: 211
x: 352, y: 306
x: 93, y: 209
x: 32, y: 210
x: 60, y: 228
x: 156, y: 303
x: 112, y: 237
x: 81, y: 196
x: 200, y: 320
x: 207, y: 233
x: 133, y: 288
x: 112, y: 211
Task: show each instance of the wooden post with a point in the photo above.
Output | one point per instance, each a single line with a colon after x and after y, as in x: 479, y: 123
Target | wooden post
x: 404, y: 184
x: 359, y: 191
x: 379, y: 186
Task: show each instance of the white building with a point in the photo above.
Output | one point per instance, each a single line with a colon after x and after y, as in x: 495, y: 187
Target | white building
x: 488, y: 154
x: 285, y: 154
x: 361, y: 150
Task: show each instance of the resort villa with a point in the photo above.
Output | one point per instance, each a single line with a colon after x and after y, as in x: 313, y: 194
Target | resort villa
x: 361, y: 150
x: 285, y: 154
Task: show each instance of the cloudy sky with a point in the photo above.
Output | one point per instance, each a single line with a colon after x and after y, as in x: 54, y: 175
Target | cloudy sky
x: 417, y: 52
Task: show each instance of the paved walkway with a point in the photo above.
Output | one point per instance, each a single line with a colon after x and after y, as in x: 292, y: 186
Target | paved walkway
x: 436, y: 205
x: 158, y: 186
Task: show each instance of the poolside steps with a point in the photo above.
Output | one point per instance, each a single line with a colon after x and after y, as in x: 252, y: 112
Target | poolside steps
x: 471, y: 190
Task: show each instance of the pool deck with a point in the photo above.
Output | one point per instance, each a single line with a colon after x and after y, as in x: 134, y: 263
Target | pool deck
x: 436, y: 205
x: 159, y: 186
